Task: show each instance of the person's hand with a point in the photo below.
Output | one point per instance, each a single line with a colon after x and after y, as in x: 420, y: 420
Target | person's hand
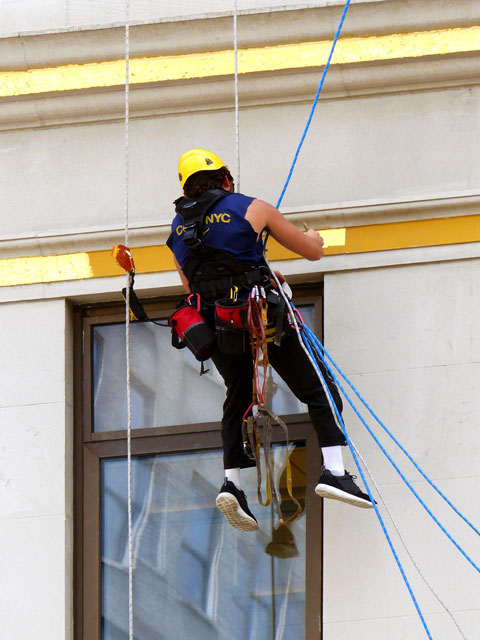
x: 314, y: 235
x: 280, y: 276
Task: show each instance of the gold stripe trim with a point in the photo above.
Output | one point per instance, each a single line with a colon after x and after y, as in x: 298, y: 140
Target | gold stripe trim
x: 156, y: 259
x: 301, y: 55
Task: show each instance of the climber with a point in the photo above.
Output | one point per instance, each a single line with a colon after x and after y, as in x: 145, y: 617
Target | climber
x: 216, y: 241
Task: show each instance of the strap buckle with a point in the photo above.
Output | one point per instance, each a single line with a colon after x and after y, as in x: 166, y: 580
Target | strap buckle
x: 190, y: 234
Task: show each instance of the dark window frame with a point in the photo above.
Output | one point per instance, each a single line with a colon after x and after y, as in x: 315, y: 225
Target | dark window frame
x: 91, y: 447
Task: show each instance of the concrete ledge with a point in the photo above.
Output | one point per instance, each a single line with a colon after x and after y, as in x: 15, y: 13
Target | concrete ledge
x: 167, y: 283
x: 74, y: 45
x: 333, y: 216
x: 215, y: 34
x: 217, y: 94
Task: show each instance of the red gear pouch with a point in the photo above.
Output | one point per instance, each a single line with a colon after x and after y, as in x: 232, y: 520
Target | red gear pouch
x: 233, y: 312
x: 192, y: 329
x: 231, y: 328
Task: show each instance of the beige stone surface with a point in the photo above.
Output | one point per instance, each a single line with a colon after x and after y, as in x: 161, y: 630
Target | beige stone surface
x: 407, y: 339
x: 33, y: 367
x: 388, y: 142
x: 421, y: 314
x: 36, y: 473
x: 32, y: 461
x: 35, y: 601
x: 397, y: 628
x: 26, y: 15
x: 338, y: 164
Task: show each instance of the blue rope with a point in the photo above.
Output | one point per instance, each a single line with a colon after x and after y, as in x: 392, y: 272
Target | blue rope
x: 312, y: 110
x: 315, y: 101
x: 311, y: 336
x: 395, y: 440
x: 307, y: 343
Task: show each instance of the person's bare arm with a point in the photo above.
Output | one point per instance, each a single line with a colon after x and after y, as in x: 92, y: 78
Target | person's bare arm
x: 183, y: 278
x: 262, y: 215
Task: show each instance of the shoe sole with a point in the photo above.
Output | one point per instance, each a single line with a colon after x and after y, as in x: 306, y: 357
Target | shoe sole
x: 326, y: 491
x: 232, y: 511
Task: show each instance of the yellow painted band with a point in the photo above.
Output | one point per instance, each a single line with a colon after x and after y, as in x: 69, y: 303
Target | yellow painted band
x: 395, y: 235
x: 156, y: 259
x: 301, y: 55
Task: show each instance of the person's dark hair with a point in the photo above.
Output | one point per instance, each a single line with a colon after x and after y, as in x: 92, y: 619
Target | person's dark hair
x: 202, y: 181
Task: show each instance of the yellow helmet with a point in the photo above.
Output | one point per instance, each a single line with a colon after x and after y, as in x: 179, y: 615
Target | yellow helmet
x: 197, y: 160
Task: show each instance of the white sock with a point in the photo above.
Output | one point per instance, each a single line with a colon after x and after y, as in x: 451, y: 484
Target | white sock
x: 234, y: 476
x: 333, y: 460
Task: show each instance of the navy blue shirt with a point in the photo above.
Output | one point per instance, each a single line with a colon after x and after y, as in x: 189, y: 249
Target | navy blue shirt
x: 225, y: 228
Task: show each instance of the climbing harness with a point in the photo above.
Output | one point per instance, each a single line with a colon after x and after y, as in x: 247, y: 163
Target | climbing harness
x: 211, y: 271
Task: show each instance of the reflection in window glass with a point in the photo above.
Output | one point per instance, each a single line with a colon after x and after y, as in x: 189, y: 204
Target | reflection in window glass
x: 165, y: 384
x: 194, y: 575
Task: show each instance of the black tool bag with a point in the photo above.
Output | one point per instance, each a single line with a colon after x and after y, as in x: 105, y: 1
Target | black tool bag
x: 191, y: 329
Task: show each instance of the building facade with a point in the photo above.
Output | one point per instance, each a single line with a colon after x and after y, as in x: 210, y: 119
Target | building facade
x: 390, y: 175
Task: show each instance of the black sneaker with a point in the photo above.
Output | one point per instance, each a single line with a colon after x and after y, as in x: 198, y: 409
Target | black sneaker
x: 342, y: 488
x: 232, y: 502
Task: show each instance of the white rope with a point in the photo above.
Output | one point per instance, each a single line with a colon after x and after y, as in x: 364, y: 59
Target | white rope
x: 294, y: 320
x: 404, y: 544
x: 127, y: 326
x: 302, y: 344
x: 402, y: 540
x: 237, y: 123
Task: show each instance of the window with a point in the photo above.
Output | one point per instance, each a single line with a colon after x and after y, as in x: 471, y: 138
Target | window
x: 191, y: 569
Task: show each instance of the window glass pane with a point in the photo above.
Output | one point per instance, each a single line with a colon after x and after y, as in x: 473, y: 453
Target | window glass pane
x: 194, y: 575
x: 165, y: 385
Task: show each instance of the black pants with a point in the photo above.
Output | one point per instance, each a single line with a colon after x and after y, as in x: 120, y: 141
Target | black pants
x: 291, y: 362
